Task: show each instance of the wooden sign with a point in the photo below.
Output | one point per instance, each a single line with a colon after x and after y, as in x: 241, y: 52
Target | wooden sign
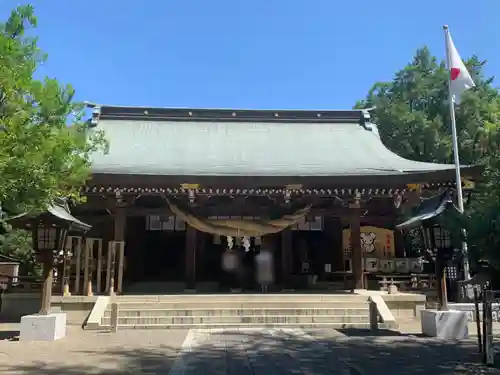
x: 372, y: 264
x: 387, y: 265
x: 375, y: 242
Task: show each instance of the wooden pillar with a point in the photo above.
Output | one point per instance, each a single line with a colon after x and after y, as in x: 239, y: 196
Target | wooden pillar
x: 121, y: 265
x: 87, y: 270
x: 190, y: 250
x: 114, y: 251
x: 200, y: 257
x: 286, y: 257
x: 99, y: 267
x: 111, y: 264
x: 78, y: 260
x: 357, y: 254
x: 67, y: 266
x: 90, y: 247
x: 119, y: 227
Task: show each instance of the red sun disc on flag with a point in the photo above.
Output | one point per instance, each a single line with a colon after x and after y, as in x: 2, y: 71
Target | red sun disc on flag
x: 455, y: 72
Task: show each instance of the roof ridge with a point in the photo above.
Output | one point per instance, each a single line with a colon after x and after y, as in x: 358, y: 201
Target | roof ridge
x: 187, y: 114
x: 94, y: 105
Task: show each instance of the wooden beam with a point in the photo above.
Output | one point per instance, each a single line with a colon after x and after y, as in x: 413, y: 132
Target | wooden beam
x: 286, y: 255
x: 114, y: 249
x: 357, y: 252
x: 259, y: 211
x: 78, y: 256
x: 190, y: 257
x: 99, y: 267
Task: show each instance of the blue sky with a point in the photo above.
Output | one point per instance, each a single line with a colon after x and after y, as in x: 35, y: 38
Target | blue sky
x: 315, y: 54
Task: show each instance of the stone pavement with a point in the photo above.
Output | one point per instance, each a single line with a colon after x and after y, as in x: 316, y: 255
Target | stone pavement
x: 344, y: 352
x: 89, y: 352
x: 241, y: 352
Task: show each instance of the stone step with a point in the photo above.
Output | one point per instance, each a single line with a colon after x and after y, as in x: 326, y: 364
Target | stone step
x: 253, y: 325
x: 217, y: 298
x: 255, y: 319
x: 214, y: 305
x: 153, y: 310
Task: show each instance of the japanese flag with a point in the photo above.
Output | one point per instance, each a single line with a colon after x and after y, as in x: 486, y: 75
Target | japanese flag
x: 460, y: 79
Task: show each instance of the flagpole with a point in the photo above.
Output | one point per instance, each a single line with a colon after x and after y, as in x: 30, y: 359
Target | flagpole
x: 454, y: 140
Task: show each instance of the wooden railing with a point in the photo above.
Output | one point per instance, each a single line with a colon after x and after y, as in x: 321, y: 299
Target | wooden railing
x: 410, y: 282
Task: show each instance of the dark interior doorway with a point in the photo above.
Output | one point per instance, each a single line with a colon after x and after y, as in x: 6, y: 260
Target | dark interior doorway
x: 308, y: 249
x: 153, y: 255
x: 164, y: 254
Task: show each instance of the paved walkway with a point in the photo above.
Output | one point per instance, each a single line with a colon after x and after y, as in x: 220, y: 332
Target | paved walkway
x: 241, y: 352
x: 86, y: 352
x: 347, y: 352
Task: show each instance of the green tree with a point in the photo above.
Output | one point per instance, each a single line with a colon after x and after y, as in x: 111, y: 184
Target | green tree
x: 413, y: 119
x: 44, y: 146
x: 17, y: 244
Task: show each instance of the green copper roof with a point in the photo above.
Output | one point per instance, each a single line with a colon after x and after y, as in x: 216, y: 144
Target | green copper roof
x: 268, y: 144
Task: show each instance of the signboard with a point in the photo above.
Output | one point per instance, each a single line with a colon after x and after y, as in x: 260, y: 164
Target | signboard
x: 375, y: 242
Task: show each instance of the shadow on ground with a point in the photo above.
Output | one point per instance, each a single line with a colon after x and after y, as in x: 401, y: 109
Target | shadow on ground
x: 255, y: 353
x: 9, y: 335
x: 357, y: 332
x: 114, y: 362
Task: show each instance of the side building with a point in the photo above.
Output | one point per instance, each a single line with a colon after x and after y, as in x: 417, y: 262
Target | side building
x: 177, y: 184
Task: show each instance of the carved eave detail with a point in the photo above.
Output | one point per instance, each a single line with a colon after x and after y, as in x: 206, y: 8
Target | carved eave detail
x: 288, y: 193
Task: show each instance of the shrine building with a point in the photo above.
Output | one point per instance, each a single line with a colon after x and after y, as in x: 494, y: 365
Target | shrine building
x: 179, y: 187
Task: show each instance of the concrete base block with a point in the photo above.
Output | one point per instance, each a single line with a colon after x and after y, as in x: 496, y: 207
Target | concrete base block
x: 449, y: 325
x: 43, y: 327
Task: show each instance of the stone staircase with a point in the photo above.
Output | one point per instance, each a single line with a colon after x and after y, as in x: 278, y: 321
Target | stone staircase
x: 240, y: 311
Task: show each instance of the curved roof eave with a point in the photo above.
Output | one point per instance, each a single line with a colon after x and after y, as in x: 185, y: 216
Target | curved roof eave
x: 344, y: 146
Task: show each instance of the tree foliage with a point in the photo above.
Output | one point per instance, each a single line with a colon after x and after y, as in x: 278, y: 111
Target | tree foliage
x: 44, y: 145
x: 413, y: 116
x: 17, y: 244
x: 413, y: 119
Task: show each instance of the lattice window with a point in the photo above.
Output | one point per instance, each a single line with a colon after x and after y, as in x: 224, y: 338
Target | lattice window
x: 442, y: 238
x: 164, y: 223
x: 47, y: 238
x: 314, y: 223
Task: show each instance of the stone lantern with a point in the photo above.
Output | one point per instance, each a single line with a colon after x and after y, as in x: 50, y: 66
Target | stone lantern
x: 438, y: 240
x: 442, y: 323
x: 49, y: 231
